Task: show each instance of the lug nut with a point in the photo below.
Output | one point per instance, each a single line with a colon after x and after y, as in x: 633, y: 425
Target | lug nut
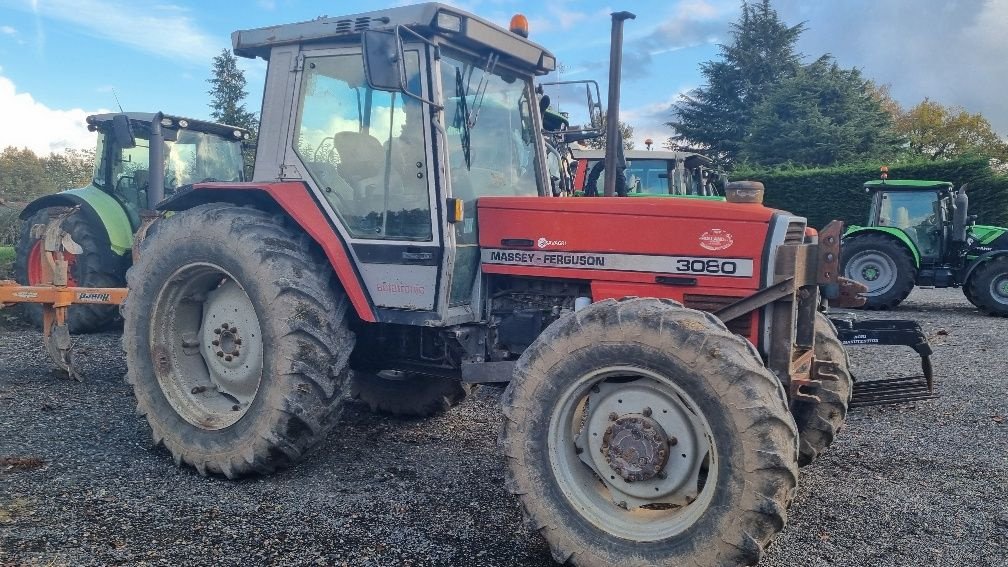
x: 647, y: 412
x: 228, y: 358
x: 661, y: 475
x: 613, y: 416
x: 220, y: 353
x: 237, y: 341
x: 673, y: 441
x: 217, y: 331
x: 224, y: 326
x: 215, y: 342
x: 234, y: 329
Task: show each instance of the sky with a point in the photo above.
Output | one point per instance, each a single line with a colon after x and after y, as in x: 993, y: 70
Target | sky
x: 61, y: 60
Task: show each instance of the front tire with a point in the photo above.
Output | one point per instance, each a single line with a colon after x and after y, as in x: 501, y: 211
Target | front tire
x: 819, y: 423
x: 641, y: 429
x: 988, y: 287
x: 97, y: 266
x: 236, y: 340
x: 883, y: 265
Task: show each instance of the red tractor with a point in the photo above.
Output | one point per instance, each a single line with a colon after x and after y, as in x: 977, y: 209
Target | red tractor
x: 400, y: 240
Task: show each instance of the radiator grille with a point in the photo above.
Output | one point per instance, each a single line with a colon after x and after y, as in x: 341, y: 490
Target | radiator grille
x: 795, y: 232
x: 711, y: 303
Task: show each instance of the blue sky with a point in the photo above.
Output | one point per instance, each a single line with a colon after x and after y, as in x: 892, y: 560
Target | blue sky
x: 63, y: 59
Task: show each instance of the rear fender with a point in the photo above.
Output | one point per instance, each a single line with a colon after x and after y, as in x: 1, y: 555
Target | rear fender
x: 294, y: 200
x: 98, y: 207
x: 896, y: 233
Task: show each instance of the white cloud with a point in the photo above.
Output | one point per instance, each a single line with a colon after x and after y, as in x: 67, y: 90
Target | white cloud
x: 30, y: 124
x: 7, y: 30
x: 648, y: 121
x: 166, y: 30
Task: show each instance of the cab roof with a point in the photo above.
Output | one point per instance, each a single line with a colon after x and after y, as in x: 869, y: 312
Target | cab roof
x: 104, y: 121
x: 425, y: 19
x: 905, y: 184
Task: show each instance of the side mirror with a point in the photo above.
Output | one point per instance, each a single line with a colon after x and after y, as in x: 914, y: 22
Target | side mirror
x: 123, y: 131
x: 383, y: 61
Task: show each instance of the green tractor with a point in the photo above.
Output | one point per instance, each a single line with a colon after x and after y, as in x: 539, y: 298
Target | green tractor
x: 920, y: 233
x: 131, y: 147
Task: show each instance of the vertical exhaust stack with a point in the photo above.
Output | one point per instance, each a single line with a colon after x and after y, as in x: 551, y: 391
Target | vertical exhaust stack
x: 615, y: 163
x: 155, y: 187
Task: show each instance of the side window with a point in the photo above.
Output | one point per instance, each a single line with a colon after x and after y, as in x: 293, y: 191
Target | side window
x: 365, y: 149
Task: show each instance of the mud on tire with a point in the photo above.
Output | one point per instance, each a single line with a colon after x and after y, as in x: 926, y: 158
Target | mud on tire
x: 615, y: 352
x: 818, y: 424
x: 98, y: 266
x: 406, y: 393
x: 290, y: 295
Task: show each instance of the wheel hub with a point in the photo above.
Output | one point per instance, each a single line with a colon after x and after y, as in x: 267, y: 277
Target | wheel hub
x: 233, y: 359
x: 636, y: 447
x: 870, y: 273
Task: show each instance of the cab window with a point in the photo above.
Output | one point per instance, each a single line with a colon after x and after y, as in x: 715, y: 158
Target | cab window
x: 365, y: 149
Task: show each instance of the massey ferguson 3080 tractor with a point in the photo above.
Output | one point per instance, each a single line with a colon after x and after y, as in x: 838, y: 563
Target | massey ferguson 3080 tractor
x: 400, y: 240
x: 109, y: 208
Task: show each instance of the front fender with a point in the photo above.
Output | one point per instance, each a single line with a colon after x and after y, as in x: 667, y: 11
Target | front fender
x: 294, y: 199
x: 972, y: 266
x: 98, y: 207
x: 896, y: 233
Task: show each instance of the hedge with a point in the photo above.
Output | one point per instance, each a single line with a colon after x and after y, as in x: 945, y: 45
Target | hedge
x: 837, y: 193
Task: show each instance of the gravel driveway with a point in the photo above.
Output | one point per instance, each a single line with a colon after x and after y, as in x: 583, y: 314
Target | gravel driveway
x: 80, y: 484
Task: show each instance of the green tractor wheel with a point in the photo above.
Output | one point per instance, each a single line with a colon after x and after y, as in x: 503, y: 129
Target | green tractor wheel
x: 97, y: 266
x: 988, y: 287
x: 883, y: 265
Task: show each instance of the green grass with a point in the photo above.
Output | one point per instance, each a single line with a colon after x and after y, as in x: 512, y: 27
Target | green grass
x: 6, y: 262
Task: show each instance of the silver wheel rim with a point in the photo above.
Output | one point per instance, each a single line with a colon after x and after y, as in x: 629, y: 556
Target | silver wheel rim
x: 877, y: 271
x: 999, y: 289
x: 583, y: 432
x: 207, y: 346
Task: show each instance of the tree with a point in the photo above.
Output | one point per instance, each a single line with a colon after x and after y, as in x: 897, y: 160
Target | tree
x: 625, y: 130
x: 762, y: 53
x: 940, y: 132
x: 821, y: 116
x: 227, y: 100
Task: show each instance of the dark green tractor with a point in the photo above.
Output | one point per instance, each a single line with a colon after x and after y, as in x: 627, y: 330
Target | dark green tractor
x: 140, y: 158
x: 921, y: 233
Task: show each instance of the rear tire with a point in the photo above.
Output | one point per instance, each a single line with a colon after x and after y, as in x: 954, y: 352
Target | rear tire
x: 708, y: 400
x: 818, y: 424
x: 98, y: 266
x: 219, y: 395
x: 406, y: 393
x: 881, y: 263
x: 988, y: 287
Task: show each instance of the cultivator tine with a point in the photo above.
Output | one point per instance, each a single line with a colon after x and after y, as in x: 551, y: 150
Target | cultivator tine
x: 882, y: 391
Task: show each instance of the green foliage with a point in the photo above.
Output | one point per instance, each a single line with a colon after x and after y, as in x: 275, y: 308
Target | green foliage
x: 762, y: 52
x: 625, y: 130
x: 227, y: 101
x: 25, y: 176
x: 6, y: 262
x: 821, y: 116
x: 940, y: 132
x: 824, y: 194
x: 9, y: 226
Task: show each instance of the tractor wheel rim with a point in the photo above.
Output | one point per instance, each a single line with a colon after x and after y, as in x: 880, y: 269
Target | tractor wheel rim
x: 207, y: 345
x: 632, y: 453
x: 35, y: 272
x: 877, y: 271
x: 999, y: 289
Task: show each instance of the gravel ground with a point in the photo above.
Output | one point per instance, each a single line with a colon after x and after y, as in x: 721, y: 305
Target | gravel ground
x: 917, y: 484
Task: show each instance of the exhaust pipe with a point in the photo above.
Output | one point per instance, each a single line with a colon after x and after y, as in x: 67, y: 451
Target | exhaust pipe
x: 615, y: 161
x: 155, y: 181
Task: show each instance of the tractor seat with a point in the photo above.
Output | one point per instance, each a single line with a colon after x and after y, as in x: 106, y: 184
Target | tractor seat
x: 360, y: 156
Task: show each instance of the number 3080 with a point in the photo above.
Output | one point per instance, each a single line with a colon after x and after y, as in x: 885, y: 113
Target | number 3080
x: 712, y: 266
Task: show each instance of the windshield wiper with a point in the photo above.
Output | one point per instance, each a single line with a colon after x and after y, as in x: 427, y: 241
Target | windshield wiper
x: 461, y: 120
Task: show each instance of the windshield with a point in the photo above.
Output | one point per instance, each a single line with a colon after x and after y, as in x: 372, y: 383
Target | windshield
x: 198, y: 156
x: 491, y: 140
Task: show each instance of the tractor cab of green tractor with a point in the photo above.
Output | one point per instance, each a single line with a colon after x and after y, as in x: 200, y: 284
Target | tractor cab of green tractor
x: 922, y: 210
x: 189, y: 151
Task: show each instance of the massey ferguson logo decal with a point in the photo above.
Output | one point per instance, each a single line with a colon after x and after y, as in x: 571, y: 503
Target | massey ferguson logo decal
x: 716, y: 239
x: 93, y: 297
x: 546, y: 243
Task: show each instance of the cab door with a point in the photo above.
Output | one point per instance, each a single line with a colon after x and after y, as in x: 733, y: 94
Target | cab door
x: 367, y: 157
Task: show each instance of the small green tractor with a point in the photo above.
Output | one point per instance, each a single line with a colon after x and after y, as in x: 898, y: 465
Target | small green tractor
x: 921, y: 233
x: 122, y: 186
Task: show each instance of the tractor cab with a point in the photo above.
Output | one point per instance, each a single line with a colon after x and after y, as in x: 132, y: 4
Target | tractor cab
x: 192, y: 151
x: 922, y: 210
x: 398, y: 120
